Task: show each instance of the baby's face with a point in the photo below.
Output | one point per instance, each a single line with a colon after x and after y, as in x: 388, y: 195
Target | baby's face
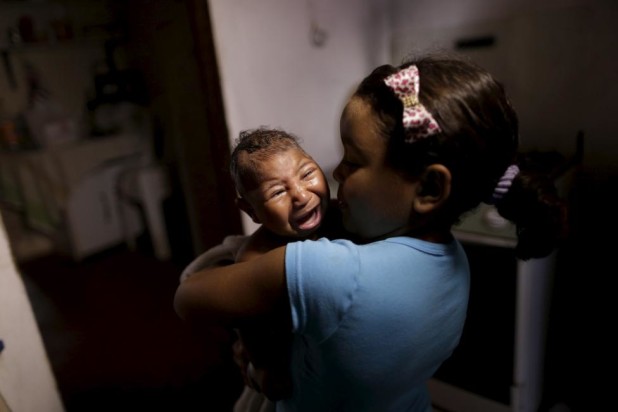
x: 290, y: 194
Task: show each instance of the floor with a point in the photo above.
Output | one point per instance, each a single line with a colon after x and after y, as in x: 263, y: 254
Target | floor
x: 114, y: 341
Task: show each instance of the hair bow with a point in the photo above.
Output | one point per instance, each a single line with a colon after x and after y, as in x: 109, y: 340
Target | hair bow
x: 417, y: 120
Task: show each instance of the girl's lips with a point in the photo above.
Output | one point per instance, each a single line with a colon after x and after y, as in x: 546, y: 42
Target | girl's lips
x: 341, y: 203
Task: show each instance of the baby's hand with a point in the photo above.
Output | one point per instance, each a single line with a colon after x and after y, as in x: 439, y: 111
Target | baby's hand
x: 275, y: 386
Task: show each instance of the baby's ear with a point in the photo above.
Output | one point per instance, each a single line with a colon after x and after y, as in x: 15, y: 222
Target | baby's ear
x: 434, y: 188
x: 246, y: 207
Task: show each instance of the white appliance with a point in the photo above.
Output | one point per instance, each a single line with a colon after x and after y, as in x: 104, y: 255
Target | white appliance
x: 498, y: 366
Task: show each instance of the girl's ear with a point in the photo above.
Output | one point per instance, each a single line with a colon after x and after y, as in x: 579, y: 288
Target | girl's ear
x: 434, y: 188
x: 246, y: 207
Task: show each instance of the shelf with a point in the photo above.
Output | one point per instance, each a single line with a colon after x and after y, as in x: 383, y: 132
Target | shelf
x: 56, y: 45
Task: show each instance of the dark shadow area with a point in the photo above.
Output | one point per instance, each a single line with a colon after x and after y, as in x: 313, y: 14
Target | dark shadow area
x: 580, y: 340
x: 483, y: 361
x: 115, y: 342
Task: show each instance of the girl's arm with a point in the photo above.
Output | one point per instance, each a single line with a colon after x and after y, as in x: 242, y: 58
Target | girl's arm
x: 238, y: 294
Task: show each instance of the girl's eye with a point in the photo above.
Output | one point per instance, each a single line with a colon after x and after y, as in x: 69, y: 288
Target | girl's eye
x: 349, y: 164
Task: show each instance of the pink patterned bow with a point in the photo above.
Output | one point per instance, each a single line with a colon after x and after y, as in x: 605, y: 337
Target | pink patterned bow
x: 417, y: 120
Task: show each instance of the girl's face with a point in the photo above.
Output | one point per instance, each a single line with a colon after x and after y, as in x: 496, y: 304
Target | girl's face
x: 376, y: 201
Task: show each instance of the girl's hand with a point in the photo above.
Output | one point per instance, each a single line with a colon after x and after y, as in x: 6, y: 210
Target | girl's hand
x: 275, y: 384
x: 241, y: 359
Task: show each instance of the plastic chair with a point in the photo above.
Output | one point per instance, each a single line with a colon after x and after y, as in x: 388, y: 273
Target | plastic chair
x: 146, y: 188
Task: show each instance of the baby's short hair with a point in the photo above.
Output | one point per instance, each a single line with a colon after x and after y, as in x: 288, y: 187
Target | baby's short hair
x: 261, y: 143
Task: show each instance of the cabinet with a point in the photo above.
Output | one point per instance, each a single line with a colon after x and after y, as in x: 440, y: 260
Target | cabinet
x: 70, y: 192
x: 65, y: 46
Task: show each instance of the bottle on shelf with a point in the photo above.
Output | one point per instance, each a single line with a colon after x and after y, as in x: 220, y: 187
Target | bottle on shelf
x: 8, y: 131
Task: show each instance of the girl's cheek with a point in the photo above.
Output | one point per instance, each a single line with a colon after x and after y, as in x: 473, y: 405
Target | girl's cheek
x: 351, y: 197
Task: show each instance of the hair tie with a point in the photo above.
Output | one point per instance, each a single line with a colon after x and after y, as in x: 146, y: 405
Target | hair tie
x: 417, y: 121
x: 504, y: 184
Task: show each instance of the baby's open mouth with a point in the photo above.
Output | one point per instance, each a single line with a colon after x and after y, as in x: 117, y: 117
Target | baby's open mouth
x: 311, y: 220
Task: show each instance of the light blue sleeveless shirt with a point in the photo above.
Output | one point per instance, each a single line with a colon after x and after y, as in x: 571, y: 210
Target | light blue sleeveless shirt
x: 372, y: 323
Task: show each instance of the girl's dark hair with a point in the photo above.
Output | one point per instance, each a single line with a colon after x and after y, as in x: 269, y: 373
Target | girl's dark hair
x: 477, y: 142
x: 262, y: 142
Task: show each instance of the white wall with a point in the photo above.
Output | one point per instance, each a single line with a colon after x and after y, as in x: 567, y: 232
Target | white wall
x: 26, y: 380
x: 557, y: 59
x: 273, y: 75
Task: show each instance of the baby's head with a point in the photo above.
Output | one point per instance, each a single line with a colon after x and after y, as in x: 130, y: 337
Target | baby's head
x: 470, y: 126
x: 279, y: 185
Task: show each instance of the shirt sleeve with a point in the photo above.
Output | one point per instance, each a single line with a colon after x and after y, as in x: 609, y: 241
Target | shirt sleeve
x: 322, y: 279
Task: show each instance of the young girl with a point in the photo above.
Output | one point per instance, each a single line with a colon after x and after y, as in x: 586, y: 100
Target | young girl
x: 423, y: 143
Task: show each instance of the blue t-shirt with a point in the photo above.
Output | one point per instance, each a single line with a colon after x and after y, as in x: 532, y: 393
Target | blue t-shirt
x: 372, y: 323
